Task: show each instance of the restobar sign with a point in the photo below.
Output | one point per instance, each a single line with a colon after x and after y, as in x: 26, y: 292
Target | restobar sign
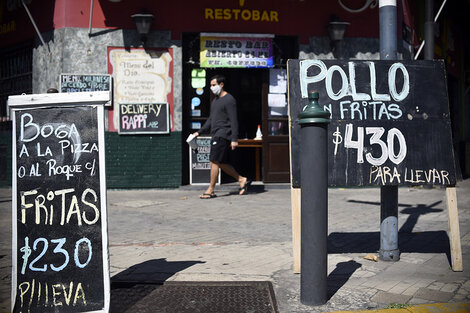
x: 236, y: 50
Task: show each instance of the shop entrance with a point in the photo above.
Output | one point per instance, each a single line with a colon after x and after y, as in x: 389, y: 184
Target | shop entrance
x: 266, y: 160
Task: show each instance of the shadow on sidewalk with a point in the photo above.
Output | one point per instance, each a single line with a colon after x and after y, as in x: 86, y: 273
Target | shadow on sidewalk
x: 133, y: 284
x: 153, y: 271
x: 340, y: 275
x: 369, y: 242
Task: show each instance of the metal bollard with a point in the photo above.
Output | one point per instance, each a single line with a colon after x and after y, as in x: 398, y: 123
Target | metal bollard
x: 314, y: 202
x: 388, y: 194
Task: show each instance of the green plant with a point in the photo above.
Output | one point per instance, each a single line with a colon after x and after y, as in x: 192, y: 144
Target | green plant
x: 397, y: 306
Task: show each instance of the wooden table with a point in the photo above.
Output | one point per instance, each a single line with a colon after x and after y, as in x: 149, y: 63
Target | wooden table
x: 257, y: 144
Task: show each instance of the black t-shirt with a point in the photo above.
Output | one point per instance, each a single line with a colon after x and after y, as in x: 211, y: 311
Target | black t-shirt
x: 222, y: 120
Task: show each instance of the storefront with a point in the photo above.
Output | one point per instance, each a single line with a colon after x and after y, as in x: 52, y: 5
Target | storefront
x: 168, y: 74
x: 254, y: 65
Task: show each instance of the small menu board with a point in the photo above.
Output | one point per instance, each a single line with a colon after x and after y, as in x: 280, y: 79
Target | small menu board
x: 144, y: 118
x: 60, y: 244
x: 200, y: 167
x: 86, y: 83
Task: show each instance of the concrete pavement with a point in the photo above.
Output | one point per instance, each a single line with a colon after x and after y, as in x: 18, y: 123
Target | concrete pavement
x: 172, y: 235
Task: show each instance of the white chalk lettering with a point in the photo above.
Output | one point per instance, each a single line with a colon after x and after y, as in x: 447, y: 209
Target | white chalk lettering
x: 29, y: 130
x: 348, y: 88
x: 84, y: 207
x: 50, y: 296
x: 47, y: 152
x: 83, y: 147
x: 67, y: 170
x: 82, y: 247
x: 434, y: 176
x: 383, y: 175
x: 24, y: 151
x: 329, y: 83
x: 387, y: 149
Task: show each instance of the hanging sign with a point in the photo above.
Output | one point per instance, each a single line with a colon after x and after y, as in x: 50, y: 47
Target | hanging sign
x: 144, y: 118
x: 236, y: 50
x: 60, y: 246
x: 390, y: 121
x: 85, y: 82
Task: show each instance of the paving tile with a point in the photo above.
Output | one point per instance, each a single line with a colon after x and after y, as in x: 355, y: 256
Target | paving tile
x: 450, y: 287
x: 415, y: 300
x: 387, y: 285
x: 433, y: 295
x: 410, y: 291
x: 436, y: 286
x: 388, y: 297
x: 401, y: 287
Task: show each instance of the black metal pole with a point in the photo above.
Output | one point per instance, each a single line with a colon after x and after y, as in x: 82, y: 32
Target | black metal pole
x: 388, y: 194
x: 429, y: 31
x: 314, y: 203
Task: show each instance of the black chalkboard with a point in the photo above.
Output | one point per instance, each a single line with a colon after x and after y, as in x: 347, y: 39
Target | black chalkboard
x: 389, y: 125
x: 59, y: 210
x: 199, y: 166
x: 85, y: 82
x: 144, y: 118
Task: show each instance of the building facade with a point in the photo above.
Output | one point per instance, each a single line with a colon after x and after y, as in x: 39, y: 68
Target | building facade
x: 187, y: 43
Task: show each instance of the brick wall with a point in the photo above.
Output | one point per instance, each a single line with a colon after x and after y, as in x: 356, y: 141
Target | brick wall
x: 132, y: 161
x: 143, y: 161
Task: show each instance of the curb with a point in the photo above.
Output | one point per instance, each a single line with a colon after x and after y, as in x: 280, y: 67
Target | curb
x: 423, y: 308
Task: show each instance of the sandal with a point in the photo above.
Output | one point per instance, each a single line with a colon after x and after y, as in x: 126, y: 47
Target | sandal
x: 207, y: 196
x: 243, y: 190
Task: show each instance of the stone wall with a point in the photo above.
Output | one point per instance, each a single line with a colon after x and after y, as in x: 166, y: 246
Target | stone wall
x: 72, y: 50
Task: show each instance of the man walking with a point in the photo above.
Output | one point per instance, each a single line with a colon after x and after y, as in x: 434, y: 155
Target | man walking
x: 223, y: 126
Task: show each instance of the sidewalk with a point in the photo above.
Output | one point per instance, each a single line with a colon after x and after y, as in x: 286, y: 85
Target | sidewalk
x: 172, y: 235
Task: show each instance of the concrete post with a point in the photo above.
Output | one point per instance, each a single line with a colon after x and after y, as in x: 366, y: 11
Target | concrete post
x: 314, y: 202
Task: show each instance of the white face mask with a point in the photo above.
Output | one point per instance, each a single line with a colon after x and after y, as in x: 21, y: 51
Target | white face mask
x: 216, y: 90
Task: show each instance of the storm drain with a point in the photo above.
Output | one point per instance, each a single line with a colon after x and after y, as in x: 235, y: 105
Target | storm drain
x: 193, y: 297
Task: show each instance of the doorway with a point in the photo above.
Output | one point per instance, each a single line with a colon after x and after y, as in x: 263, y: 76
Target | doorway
x: 250, y: 88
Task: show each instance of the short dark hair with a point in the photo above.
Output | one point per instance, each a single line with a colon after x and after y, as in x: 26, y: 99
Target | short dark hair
x: 220, y: 79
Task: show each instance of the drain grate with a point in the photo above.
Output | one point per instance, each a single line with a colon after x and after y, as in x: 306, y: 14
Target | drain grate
x: 193, y: 297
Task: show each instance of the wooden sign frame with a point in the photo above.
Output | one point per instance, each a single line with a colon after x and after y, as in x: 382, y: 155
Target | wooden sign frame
x: 433, y: 93
x: 80, y: 76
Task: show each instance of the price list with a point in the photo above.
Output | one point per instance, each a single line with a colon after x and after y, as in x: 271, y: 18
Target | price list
x: 59, y: 234
x: 389, y: 125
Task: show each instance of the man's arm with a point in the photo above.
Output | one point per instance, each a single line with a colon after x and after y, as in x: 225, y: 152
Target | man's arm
x: 232, y: 116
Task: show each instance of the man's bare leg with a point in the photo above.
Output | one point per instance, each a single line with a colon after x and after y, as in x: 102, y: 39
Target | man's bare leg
x: 227, y: 168
x: 214, y: 176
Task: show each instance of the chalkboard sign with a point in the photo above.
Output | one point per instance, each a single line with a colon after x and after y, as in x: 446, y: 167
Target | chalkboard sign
x: 86, y: 83
x: 144, y: 118
x: 389, y: 125
x: 60, y: 246
x: 200, y: 168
